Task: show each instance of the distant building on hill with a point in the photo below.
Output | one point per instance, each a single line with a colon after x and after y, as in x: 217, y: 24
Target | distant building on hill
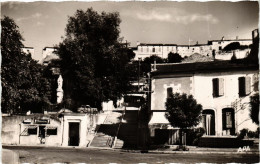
x: 48, y: 55
x: 144, y: 50
x: 28, y: 50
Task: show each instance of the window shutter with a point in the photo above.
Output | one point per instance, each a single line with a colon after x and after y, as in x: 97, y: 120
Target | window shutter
x: 228, y: 120
x: 241, y: 86
x: 215, y: 87
x: 169, y: 92
x: 221, y: 87
x: 248, y: 85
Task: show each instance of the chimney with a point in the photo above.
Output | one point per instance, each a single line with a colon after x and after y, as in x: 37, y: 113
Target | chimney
x: 236, y: 37
x: 223, y: 38
x: 137, y: 43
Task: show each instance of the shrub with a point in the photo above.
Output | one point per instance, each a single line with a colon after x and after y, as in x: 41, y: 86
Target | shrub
x: 193, y: 136
x: 250, y: 134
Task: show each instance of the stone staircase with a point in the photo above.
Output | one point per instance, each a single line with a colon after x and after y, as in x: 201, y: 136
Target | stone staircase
x: 117, y: 134
x: 106, y: 132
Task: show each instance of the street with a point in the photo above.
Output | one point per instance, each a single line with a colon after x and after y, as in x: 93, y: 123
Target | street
x: 90, y: 155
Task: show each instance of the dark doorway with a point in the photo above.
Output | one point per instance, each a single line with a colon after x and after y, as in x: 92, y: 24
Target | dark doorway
x: 73, y: 134
x: 42, y: 131
x: 208, y: 121
x: 161, y: 136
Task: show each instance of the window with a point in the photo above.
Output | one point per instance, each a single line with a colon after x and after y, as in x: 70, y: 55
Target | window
x: 244, y: 84
x: 159, y: 49
x: 141, y: 49
x: 153, y: 49
x: 220, y: 48
x: 147, y: 49
x: 167, y: 48
x: 228, y: 120
x: 32, y: 130
x: 51, y: 130
x: 218, y: 87
x: 169, y: 92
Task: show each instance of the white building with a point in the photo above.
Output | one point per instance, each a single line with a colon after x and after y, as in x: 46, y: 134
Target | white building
x: 218, y: 45
x: 28, y: 50
x: 144, y: 50
x: 223, y: 88
x: 48, y: 55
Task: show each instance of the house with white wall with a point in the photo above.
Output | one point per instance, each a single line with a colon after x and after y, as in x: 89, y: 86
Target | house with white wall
x: 223, y: 88
x: 219, y: 45
x: 28, y: 50
x: 48, y: 54
x: 59, y: 129
x: 161, y: 50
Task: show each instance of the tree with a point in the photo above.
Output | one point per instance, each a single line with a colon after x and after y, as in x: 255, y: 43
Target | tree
x: 94, y: 61
x: 146, y: 63
x: 23, y: 86
x: 235, y: 46
x: 182, y: 111
x: 174, y: 58
x: 254, y: 110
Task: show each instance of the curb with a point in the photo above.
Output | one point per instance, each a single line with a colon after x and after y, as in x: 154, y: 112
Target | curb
x: 139, y: 151
x: 188, y: 152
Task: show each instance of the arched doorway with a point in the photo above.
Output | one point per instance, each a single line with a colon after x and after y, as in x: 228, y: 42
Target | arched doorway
x: 208, y: 121
x: 228, y: 121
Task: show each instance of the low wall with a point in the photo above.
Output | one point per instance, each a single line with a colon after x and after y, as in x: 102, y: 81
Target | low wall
x: 11, y: 129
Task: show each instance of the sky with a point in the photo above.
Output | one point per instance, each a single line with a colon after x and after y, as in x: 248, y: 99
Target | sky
x: 42, y: 24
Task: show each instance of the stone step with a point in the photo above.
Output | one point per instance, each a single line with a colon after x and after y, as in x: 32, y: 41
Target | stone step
x: 119, y: 144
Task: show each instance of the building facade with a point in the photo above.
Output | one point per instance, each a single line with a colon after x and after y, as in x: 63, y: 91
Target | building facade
x: 59, y: 129
x: 144, y: 50
x: 28, y: 50
x: 223, y: 89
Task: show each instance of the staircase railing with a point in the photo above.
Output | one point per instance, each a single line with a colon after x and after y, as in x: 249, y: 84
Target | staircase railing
x: 97, y: 131
x: 115, y: 138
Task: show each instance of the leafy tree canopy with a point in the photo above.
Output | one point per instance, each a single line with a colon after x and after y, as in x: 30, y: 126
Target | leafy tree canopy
x: 94, y: 61
x: 235, y: 46
x: 23, y: 85
x: 182, y: 110
x: 174, y: 58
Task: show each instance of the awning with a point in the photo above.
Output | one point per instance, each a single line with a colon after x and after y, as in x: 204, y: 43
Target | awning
x: 50, y: 127
x: 31, y: 126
